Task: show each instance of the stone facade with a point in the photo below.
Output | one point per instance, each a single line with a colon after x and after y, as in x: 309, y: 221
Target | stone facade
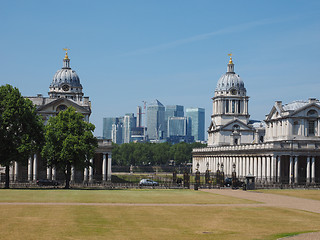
x: 285, y: 149
x: 65, y: 91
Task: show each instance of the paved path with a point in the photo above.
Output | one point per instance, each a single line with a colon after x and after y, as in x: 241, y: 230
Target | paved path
x: 274, y: 200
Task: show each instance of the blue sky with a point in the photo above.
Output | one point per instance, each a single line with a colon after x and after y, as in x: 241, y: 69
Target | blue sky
x: 126, y: 52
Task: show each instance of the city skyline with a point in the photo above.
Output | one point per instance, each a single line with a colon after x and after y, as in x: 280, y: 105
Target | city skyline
x: 128, y: 52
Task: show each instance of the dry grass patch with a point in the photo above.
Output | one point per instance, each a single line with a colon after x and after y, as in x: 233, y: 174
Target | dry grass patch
x: 117, y: 196
x: 140, y: 222
x: 300, y: 193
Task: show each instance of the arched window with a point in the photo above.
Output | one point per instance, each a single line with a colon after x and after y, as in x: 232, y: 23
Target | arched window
x: 312, y: 113
x: 61, y: 108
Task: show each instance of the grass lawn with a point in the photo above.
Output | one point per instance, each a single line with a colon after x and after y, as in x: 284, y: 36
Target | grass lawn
x: 300, y: 193
x: 116, y: 196
x: 143, y: 222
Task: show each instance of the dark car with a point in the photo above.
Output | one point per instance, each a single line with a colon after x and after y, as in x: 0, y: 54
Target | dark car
x: 148, y: 182
x: 228, y: 182
x: 47, y: 182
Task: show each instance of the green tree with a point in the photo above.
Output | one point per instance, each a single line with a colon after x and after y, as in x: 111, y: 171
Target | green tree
x: 21, y: 129
x: 69, y: 141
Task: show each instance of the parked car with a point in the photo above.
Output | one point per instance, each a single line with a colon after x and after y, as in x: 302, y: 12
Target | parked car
x: 228, y: 182
x: 47, y: 182
x: 148, y: 182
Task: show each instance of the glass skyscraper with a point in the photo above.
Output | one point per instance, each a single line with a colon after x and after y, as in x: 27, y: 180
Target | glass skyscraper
x: 197, y: 116
x: 156, y: 124
x: 177, y: 126
x: 107, y: 126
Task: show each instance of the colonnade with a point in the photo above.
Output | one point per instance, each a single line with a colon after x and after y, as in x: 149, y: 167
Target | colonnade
x: 266, y: 168
x: 51, y: 172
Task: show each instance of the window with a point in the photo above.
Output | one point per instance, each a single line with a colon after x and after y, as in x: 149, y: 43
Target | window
x: 233, y: 106
x: 311, y: 128
x: 239, y: 106
x: 312, y: 113
x: 227, y: 106
x: 296, y: 126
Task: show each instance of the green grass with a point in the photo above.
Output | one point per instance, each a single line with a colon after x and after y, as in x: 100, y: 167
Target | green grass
x: 117, y: 196
x: 144, y: 222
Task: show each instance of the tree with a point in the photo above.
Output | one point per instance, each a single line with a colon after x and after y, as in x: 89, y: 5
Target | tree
x: 21, y: 129
x: 69, y: 141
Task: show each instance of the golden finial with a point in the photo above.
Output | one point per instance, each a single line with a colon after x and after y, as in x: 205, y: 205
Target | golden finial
x: 230, y: 61
x: 66, y: 49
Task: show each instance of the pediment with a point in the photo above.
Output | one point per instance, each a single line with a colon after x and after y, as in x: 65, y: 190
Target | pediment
x: 274, y: 113
x: 230, y: 126
x: 302, y: 112
x: 51, y: 107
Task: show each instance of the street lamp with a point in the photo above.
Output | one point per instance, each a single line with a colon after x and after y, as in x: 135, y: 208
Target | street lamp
x: 207, y: 165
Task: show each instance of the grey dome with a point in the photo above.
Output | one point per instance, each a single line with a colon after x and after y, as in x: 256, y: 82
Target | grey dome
x: 230, y: 80
x: 66, y: 76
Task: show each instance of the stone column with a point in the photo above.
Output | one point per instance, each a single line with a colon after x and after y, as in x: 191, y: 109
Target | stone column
x: 72, y: 178
x: 273, y: 168
x: 255, y: 170
x: 91, y: 171
x: 11, y: 173
x: 259, y: 167
x: 54, y: 173
x: 109, y: 171
x: 296, y: 177
x: 248, y: 165
x: 290, y: 170
x: 252, y: 165
x: 313, y: 170
x: 104, y: 167
x: 85, y: 174
x: 244, y: 166
x: 35, y: 168
x: 30, y: 167
x: 16, y: 171
x: 263, y: 168
x: 268, y: 170
x: 308, y: 170
x: 279, y: 169
x: 49, y: 173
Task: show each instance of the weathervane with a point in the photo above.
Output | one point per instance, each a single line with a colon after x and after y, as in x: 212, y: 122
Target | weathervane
x: 230, y: 55
x: 66, y: 49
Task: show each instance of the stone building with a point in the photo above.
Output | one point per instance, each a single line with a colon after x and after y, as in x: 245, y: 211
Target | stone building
x: 65, y: 90
x: 284, y: 149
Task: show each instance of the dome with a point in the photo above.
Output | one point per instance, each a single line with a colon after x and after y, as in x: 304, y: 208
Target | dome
x: 230, y: 80
x: 66, y: 76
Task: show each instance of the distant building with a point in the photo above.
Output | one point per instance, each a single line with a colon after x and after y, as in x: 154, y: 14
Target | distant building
x: 197, y: 116
x: 116, y: 134
x: 129, y: 122
x: 174, y: 111
x: 177, y: 126
x: 107, y: 126
x: 156, y: 124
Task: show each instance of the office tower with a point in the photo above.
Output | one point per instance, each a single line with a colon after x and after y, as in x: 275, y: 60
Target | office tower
x: 116, y: 134
x: 156, y: 124
x: 107, y: 126
x: 174, y: 111
x: 139, y: 117
x: 177, y: 126
x: 129, y: 122
x: 197, y: 116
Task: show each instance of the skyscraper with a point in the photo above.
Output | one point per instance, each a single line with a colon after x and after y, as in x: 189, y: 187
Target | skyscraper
x: 156, y: 124
x: 197, y: 125
x: 174, y: 111
x: 107, y: 126
x: 129, y: 122
x: 177, y: 126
